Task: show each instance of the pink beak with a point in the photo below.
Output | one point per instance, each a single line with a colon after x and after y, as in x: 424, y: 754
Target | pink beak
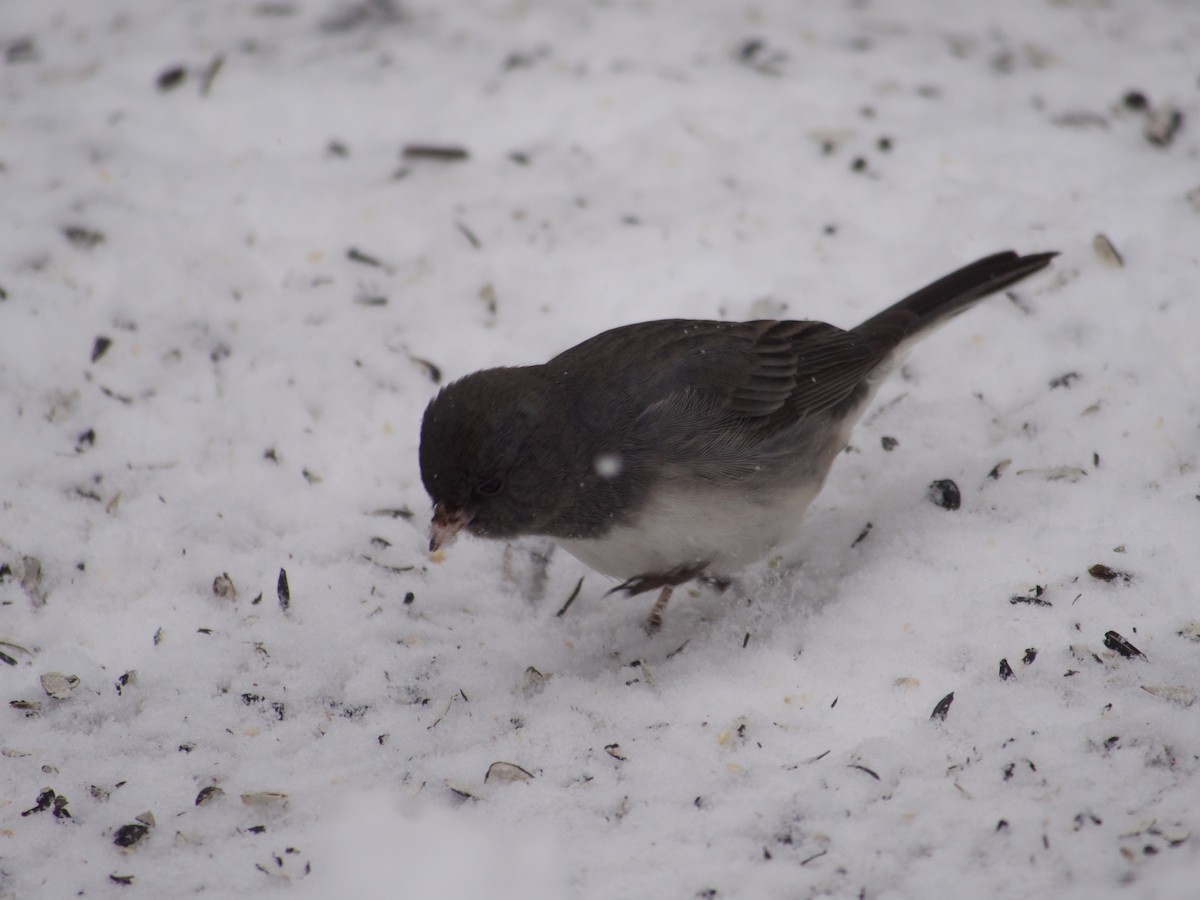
x: 446, y: 526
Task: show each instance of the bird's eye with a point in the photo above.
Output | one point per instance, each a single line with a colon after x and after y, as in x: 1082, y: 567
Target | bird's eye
x: 491, y: 486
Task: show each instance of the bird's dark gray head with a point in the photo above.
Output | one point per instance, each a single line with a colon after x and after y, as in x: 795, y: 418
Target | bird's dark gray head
x: 488, y: 458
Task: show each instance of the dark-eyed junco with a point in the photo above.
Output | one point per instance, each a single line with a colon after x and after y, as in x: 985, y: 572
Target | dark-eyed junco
x: 666, y: 451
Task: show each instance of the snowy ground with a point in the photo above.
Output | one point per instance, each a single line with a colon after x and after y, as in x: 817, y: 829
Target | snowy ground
x: 227, y: 296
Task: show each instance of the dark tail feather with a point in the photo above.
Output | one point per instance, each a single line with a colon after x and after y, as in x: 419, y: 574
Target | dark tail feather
x: 952, y: 294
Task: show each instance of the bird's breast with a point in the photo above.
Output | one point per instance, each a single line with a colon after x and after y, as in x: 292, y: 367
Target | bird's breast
x: 723, y: 528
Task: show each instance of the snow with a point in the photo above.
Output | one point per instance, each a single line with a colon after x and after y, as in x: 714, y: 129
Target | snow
x: 257, y: 410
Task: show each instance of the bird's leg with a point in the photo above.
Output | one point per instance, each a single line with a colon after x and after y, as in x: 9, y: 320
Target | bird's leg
x: 654, y: 620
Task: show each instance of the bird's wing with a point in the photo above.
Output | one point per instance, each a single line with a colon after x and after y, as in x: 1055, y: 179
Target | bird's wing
x: 797, y: 369
x: 766, y: 373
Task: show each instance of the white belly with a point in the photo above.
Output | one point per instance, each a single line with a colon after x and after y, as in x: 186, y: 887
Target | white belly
x: 724, y: 530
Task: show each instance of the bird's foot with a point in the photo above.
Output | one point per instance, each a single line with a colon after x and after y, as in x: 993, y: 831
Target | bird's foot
x: 640, y: 584
x: 667, y: 582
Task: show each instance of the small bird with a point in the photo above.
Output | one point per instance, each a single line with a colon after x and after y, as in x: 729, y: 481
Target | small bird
x: 666, y: 451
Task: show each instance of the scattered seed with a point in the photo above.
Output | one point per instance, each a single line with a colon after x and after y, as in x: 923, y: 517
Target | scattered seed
x: 437, y: 152
x: 84, y: 238
x: 571, y: 599
x: 1064, y: 380
x: 679, y: 649
x: 223, y: 587
x: 356, y: 255
x: 1102, y: 572
x: 390, y: 568
x: 1033, y: 598
x: 460, y: 789
x: 750, y: 49
x: 1135, y: 99
x: 1174, y: 693
x: 282, y: 591
x: 45, y: 799
x: 265, y: 798
x: 755, y: 54
x: 210, y: 73
x: 1162, y: 125
x: 533, y: 682
x: 862, y: 535
x: 208, y: 794
x: 1006, y: 671
x: 1107, y: 251
x: 506, y: 773
x: 59, y: 686
x: 1030, y: 656
x: 471, y: 237
x: 434, y: 373
x: 998, y: 469
x: 944, y: 493
x: 128, y: 835
x: 1114, y: 641
x: 31, y: 580
x: 21, y: 50
x: 171, y: 78
x: 100, y: 347
x: 943, y: 707
x: 1056, y: 473
x: 409, y: 598
x: 889, y: 443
